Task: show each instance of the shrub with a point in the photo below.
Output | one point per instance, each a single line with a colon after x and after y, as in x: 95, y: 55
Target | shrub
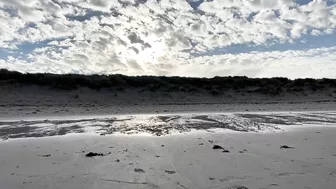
x: 270, y: 86
x: 153, y: 87
x: 215, y: 92
x: 208, y: 87
x: 172, y: 88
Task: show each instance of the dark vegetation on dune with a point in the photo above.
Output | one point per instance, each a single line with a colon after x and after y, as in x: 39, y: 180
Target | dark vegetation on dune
x: 215, y: 86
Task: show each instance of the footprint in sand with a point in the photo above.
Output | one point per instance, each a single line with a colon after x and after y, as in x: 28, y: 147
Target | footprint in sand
x: 273, y: 185
x: 237, y: 187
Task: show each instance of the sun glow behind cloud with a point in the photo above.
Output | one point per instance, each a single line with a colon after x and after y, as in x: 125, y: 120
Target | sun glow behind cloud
x: 256, y: 38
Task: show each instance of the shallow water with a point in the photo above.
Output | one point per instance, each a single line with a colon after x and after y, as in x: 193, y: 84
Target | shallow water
x: 162, y: 124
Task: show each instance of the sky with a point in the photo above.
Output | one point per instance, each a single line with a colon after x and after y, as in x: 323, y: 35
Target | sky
x: 194, y: 38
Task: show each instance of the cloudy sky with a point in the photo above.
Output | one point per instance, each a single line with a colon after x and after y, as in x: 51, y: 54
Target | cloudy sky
x: 201, y: 38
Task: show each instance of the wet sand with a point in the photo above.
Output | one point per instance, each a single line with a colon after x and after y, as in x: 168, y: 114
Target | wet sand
x: 159, y: 124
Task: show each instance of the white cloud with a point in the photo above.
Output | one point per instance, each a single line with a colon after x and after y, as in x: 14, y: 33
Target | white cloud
x: 316, y: 32
x: 315, y: 63
x: 158, y: 37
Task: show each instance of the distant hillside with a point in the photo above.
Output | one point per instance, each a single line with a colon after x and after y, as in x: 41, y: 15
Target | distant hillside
x: 215, y: 86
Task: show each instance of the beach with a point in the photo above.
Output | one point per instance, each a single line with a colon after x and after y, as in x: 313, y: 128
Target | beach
x: 255, y: 151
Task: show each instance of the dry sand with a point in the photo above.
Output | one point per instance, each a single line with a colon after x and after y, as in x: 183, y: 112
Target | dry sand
x: 254, y: 161
x: 28, y: 101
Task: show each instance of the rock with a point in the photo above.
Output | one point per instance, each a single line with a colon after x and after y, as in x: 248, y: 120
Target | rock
x: 242, y: 151
x: 170, y: 172
x: 93, y: 154
x: 139, y: 170
x: 226, y: 151
x: 286, y: 147
x: 216, y: 147
x: 46, y: 155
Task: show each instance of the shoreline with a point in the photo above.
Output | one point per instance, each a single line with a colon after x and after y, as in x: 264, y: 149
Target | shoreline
x: 162, y: 124
x: 147, y: 114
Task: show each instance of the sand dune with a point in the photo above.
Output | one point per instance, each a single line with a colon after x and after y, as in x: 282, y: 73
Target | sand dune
x: 32, y: 101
